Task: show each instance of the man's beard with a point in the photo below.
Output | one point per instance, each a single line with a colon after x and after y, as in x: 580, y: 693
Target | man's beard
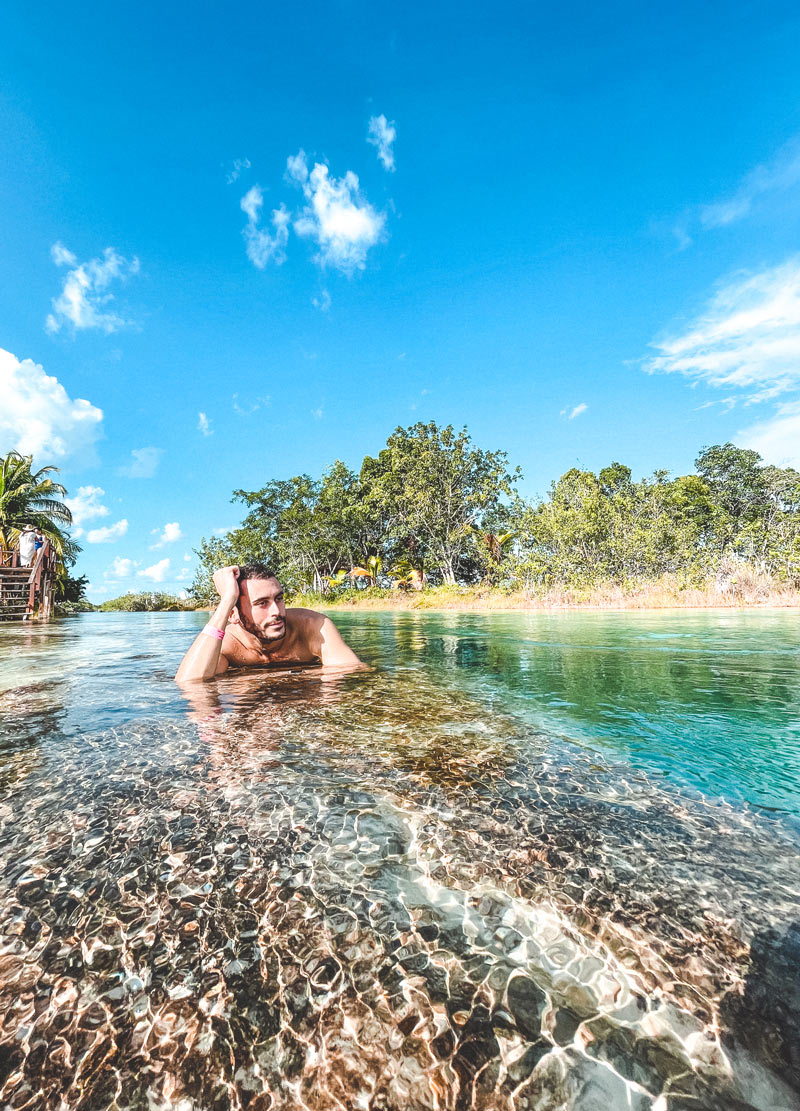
x: 265, y: 638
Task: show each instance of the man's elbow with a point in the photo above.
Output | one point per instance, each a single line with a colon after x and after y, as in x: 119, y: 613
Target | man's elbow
x: 348, y: 662
x: 187, y: 673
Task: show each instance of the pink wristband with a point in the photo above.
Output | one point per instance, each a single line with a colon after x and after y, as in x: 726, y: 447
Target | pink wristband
x: 210, y: 631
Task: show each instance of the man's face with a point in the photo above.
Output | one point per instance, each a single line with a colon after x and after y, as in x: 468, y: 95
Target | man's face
x: 262, y: 610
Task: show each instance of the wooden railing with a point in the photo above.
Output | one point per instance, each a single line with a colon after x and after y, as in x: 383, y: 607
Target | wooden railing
x: 41, y: 582
x: 28, y: 592
x: 9, y: 557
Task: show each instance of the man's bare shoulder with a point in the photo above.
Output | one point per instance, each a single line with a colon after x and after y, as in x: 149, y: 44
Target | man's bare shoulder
x: 299, y: 614
x: 320, y: 634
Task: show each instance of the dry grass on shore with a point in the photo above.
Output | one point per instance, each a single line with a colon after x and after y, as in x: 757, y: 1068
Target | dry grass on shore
x: 748, y: 592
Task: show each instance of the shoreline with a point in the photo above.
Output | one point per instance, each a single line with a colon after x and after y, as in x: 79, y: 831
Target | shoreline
x: 600, y: 600
x: 491, y: 606
x: 483, y: 600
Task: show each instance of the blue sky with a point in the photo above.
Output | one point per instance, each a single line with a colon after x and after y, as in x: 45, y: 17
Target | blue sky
x: 237, y: 245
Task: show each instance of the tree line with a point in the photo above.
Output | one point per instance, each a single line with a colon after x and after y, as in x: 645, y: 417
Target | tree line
x: 431, y: 507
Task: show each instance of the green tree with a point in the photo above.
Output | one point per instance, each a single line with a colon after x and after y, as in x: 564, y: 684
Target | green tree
x: 735, y: 476
x: 32, y: 497
x: 72, y: 590
x: 608, y: 528
x: 432, y: 488
x: 303, y: 526
x: 145, y: 602
x: 756, y: 509
x: 771, y: 540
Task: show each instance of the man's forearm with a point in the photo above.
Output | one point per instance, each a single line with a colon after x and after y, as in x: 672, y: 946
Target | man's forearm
x: 202, y: 659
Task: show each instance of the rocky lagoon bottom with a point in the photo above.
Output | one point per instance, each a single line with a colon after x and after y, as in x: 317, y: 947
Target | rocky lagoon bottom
x: 526, y: 862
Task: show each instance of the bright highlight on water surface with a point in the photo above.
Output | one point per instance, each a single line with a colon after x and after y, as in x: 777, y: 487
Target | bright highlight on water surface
x: 473, y: 876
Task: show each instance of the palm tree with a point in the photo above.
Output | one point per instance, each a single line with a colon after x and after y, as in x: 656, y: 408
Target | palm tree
x: 371, y: 571
x: 492, y: 547
x: 29, y: 497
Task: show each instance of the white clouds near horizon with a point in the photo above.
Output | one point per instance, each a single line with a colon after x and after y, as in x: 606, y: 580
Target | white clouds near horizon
x: 776, y: 439
x: 39, y: 418
x: 84, y: 301
x: 121, y: 568
x: 746, y: 337
x: 145, y: 462
x: 746, y: 340
x: 108, y: 534
x: 157, y: 573
x: 382, y: 134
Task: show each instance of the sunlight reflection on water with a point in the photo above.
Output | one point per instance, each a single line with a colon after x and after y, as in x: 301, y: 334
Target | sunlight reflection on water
x: 448, y: 882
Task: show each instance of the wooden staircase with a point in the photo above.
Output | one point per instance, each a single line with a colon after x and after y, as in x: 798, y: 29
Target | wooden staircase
x: 26, y: 593
x: 14, y: 593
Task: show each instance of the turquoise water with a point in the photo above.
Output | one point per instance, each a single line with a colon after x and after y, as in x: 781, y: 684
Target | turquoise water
x: 707, y: 700
x: 524, y: 862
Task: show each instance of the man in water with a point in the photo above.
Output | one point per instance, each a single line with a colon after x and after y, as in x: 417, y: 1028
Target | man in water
x: 251, y: 627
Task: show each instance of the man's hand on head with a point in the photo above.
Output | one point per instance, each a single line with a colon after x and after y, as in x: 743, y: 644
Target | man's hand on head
x: 226, y: 582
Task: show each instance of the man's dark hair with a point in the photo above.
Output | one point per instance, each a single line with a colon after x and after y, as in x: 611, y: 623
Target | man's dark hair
x: 255, y: 571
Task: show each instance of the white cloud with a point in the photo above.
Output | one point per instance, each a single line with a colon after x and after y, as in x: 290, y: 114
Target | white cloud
x: 253, y: 407
x: 381, y: 134
x: 234, y: 173
x: 184, y: 574
x: 770, y: 179
x: 746, y: 338
x: 323, y: 302
x: 37, y: 416
x: 297, y: 167
x: 187, y: 558
x: 204, y: 425
x: 777, y: 439
x: 61, y: 256
x: 86, y: 504
x: 571, y: 414
x: 145, y: 462
x: 158, y: 572
x: 336, y: 217
x: 121, y: 568
x: 317, y: 413
x: 108, y: 534
x: 782, y: 173
x: 223, y: 531
x: 84, y: 301
x: 263, y: 246
x: 169, y: 535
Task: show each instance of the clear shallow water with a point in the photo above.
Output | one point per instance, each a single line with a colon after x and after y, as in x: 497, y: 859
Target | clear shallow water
x: 528, y: 862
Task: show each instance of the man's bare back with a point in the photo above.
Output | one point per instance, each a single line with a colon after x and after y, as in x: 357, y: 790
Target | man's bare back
x: 251, y: 627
